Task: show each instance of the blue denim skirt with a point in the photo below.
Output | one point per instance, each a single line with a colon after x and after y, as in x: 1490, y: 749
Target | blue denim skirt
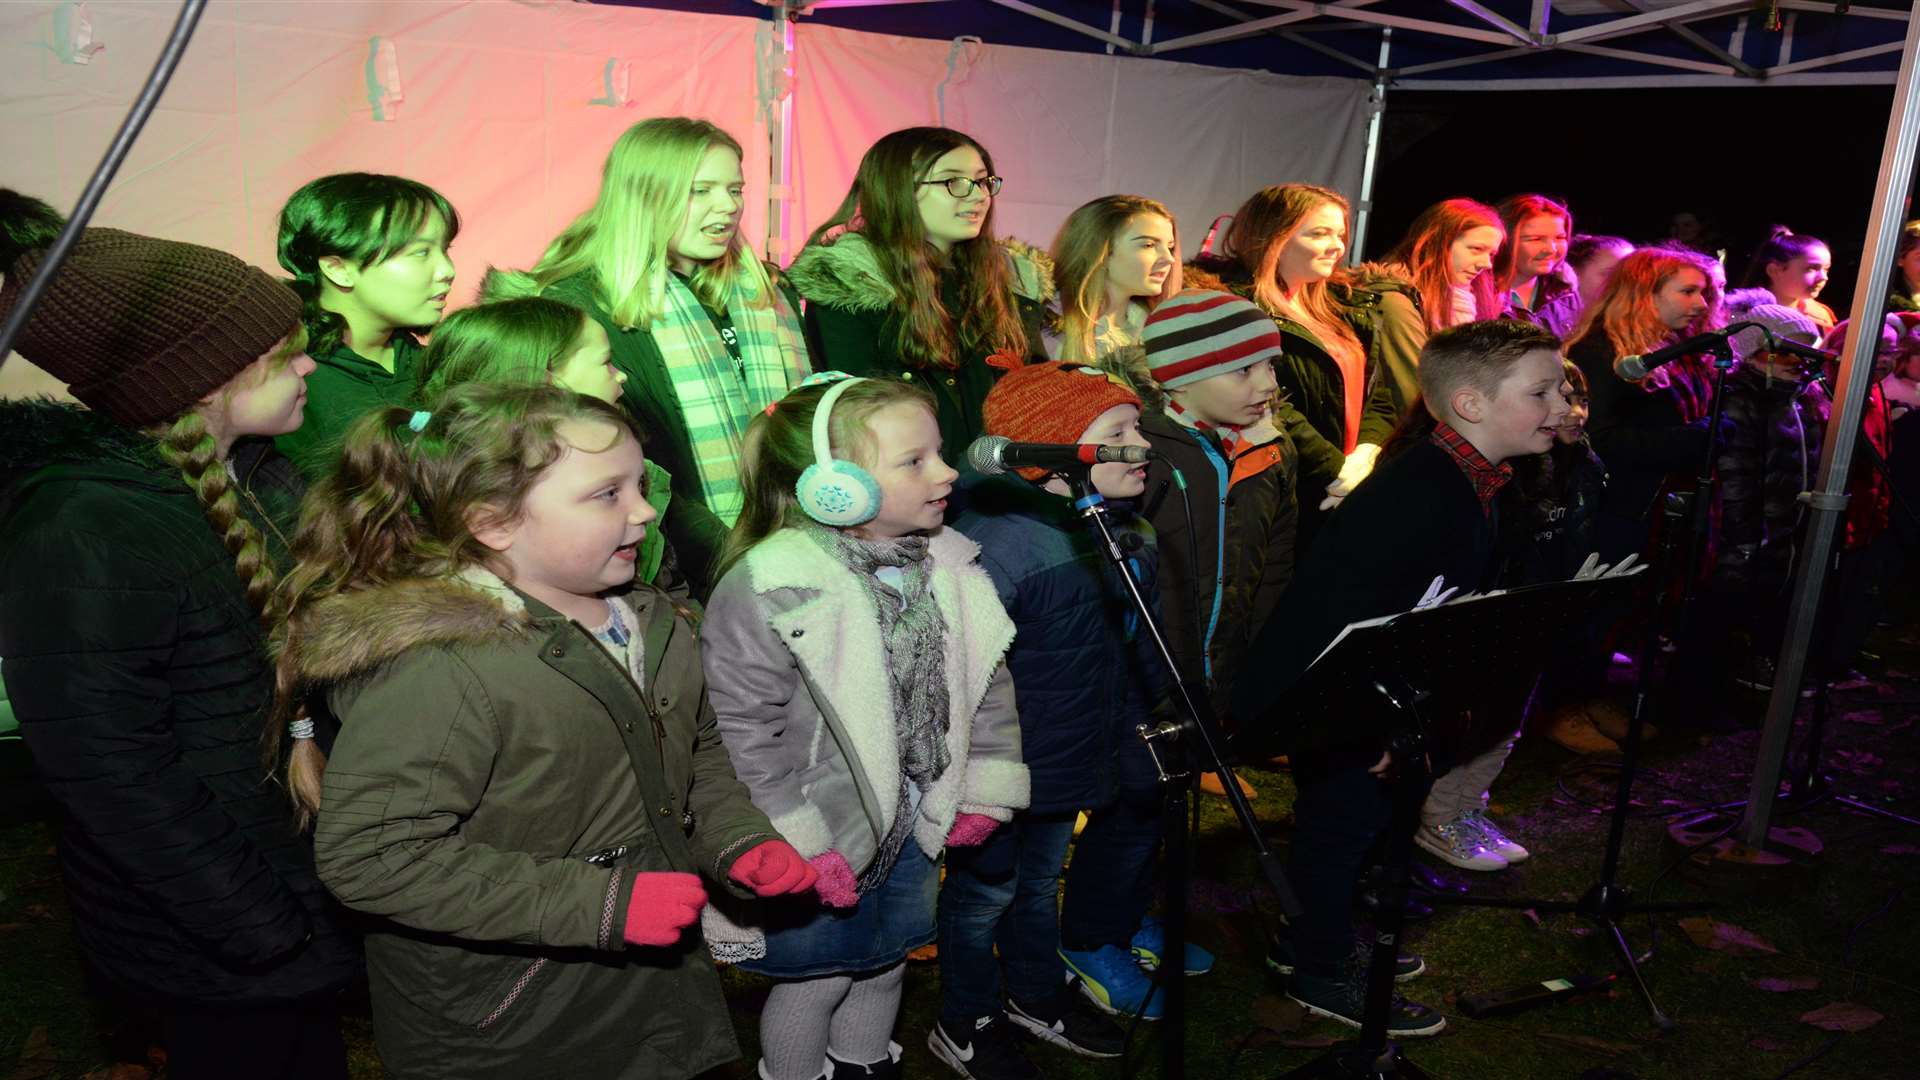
x: 888, y: 923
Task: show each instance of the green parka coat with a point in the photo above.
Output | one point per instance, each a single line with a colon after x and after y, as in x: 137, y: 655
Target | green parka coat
x: 488, y: 747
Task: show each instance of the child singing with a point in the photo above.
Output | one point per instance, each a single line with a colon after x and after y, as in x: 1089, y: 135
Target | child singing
x: 856, y: 658
x: 528, y: 782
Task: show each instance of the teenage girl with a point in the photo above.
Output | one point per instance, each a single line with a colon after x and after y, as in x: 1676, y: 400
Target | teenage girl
x: 1531, y: 270
x: 140, y: 540
x: 697, y: 323
x: 1447, y: 259
x: 1336, y: 400
x: 1794, y: 268
x: 528, y: 785
x: 368, y: 255
x: 907, y: 279
x: 857, y: 663
x: 1653, y: 428
x: 1114, y: 260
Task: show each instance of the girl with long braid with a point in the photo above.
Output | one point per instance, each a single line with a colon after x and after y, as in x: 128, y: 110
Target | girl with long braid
x: 140, y: 542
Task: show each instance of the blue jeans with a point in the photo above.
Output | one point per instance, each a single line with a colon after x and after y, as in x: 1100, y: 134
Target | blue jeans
x: 1004, y: 892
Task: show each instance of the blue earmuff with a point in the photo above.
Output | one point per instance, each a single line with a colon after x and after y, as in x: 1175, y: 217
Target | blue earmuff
x: 837, y: 493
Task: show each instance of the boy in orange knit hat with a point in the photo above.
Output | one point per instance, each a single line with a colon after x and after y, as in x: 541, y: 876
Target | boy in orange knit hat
x: 1084, y: 678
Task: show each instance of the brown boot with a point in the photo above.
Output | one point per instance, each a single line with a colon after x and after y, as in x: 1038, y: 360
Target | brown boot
x: 1571, y: 727
x: 1210, y: 783
x: 1611, y: 720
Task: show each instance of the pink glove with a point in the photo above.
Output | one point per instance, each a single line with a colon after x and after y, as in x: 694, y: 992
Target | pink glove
x: 836, y: 885
x: 663, y: 904
x: 773, y: 868
x: 971, y: 830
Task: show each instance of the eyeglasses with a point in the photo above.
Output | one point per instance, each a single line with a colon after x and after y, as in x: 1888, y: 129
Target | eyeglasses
x: 962, y: 186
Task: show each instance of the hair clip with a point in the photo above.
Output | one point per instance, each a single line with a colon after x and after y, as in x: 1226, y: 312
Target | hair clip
x: 301, y: 729
x: 418, y: 423
x: 821, y: 377
x: 771, y: 405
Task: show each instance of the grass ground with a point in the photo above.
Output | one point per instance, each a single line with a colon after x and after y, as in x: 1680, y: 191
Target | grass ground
x: 1843, y: 930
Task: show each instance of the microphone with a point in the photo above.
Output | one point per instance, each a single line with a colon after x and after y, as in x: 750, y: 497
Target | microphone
x: 1634, y: 366
x: 992, y: 455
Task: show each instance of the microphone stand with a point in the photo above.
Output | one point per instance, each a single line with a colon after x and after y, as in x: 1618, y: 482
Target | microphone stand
x: 1194, y: 731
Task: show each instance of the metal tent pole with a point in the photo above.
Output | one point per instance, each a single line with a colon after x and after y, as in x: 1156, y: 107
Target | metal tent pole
x: 1829, y: 500
x: 1377, y: 105
x: 780, y: 137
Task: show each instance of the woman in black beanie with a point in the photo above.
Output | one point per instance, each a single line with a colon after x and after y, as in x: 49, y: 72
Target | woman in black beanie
x: 138, y: 543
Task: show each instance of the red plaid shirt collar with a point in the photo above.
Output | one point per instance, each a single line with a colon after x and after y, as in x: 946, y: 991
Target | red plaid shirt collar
x: 1486, y: 477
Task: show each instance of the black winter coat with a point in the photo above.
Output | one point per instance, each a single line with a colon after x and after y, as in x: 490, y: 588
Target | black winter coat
x: 1312, y: 388
x: 1221, y: 581
x: 140, y: 678
x: 1416, y: 518
x: 1642, y: 433
x: 853, y: 324
x: 1770, y: 455
x: 1084, y: 673
x: 1547, y: 515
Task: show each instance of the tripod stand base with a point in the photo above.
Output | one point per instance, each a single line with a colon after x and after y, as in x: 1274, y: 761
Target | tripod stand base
x: 1351, y: 1061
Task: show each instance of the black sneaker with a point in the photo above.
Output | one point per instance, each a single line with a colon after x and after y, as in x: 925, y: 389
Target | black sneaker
x: 1344, y: 999
x: 1280, y: 961
x: 1069, y: 1022
x: 980, y: 1049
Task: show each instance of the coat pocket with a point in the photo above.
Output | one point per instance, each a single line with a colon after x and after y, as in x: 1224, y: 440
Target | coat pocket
x: 515, y: 981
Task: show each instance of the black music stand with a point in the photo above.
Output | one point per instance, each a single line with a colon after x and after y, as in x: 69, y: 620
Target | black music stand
x: 1433, y: 657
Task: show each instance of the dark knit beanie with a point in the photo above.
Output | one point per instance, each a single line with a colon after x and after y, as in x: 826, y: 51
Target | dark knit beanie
x: 1201, y: 333
x: 1052, y: 403
x: 141, y: 329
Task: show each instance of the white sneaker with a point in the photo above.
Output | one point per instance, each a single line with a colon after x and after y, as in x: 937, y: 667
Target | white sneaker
x: 1497, y: 841
x: 1460, y: 844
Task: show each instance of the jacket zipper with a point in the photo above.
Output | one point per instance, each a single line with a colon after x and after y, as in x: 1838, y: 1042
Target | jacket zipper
x: 513, y: 993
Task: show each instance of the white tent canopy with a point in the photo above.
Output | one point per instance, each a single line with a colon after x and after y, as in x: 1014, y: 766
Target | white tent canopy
x: 509, y: 109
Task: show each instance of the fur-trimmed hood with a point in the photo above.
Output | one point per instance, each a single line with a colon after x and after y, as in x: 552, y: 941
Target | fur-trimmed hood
x: 844, y: 272
x: 349, y: 635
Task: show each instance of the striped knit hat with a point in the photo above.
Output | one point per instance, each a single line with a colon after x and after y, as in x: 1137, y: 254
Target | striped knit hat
x: 1201, y: 333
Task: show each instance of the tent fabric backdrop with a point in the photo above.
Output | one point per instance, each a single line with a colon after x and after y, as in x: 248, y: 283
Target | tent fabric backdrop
x: 1067, y: 127
x: 509, y: 109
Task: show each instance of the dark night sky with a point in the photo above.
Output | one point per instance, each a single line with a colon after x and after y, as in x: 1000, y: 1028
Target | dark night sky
x: 1627, y: 160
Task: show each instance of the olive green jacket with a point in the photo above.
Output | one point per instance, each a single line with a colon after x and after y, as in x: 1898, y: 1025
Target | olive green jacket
x: 488, y: 747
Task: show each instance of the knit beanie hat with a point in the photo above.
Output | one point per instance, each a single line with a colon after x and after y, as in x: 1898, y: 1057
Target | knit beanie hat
x: 1052, y: 403
x: 1781, y: 321
x: 140, y: 329
x: 1201, y: 333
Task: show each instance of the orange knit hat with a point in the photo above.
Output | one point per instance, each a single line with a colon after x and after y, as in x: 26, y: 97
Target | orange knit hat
x: 1053, y: 402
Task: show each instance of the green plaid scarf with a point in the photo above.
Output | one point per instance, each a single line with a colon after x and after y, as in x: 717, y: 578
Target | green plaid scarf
x: 716, y: 399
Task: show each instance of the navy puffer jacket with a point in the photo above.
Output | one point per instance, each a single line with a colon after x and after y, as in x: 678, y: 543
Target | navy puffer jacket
x: 1084, y: 673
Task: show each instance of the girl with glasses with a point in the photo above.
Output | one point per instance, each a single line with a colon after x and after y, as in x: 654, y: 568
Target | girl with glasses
x: 907, y: 279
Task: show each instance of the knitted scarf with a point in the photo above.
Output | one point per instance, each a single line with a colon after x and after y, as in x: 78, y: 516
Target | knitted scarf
x: 914, y: 634
x: 716, y: 397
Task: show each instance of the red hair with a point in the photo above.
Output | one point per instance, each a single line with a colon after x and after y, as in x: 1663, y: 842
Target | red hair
x: 1514, y: 211
x: 1626, y: 312
x: 1426, y: 252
